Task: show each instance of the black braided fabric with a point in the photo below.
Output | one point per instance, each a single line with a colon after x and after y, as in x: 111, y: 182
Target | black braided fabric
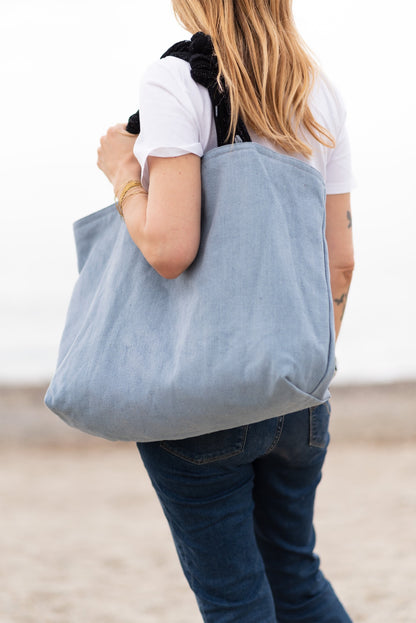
x: 133, y: 124
x: 199, y: 53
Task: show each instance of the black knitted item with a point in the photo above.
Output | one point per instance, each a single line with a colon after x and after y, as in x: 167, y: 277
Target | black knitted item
x: 133, y: 124
x: 199, y: 53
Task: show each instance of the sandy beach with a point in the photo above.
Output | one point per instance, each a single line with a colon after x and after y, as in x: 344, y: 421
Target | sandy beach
x: 84, y: 540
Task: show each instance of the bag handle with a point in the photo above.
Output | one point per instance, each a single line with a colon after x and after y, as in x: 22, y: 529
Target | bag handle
x: 199, y: 53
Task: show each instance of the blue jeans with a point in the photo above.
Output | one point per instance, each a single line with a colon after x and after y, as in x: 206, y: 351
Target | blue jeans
x: 240, y: 508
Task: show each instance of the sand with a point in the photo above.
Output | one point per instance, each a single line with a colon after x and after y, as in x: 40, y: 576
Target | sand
x: 83, y: 539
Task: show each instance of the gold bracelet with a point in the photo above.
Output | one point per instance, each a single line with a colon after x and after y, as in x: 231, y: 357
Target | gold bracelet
x: 123, y: 192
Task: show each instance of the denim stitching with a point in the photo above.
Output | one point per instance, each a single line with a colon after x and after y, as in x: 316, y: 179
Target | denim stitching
x: 276, y: 439
x: 312, y: 442
x: 207, y: 459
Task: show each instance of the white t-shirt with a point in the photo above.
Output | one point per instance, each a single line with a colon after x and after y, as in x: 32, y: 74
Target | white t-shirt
x: 176, y: 118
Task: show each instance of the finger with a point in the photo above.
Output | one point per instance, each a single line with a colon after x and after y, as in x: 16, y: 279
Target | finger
x: 116, y: 129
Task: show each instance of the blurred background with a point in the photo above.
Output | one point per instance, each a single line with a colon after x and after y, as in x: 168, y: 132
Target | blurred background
x: 68, y: 71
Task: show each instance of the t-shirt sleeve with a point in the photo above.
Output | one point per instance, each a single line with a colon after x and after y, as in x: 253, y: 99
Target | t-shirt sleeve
x: 168, y: 119
x: 339, y: 174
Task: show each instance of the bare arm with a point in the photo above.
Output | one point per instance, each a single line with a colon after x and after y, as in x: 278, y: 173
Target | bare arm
x: 340, y: 250
x: 165, y: 222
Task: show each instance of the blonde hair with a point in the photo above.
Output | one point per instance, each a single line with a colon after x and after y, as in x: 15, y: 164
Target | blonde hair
x: 267, y: 67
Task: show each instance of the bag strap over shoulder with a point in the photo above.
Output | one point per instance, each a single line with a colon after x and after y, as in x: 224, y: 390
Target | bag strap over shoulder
x: 199, y: 53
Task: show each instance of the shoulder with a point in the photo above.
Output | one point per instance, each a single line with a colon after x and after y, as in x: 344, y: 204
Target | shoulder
x: 168, y: 64
x: 327, y: 103
x: 169, y: 72
x: 167, y: 83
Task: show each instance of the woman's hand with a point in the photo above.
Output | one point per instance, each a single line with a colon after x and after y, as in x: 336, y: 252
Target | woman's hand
x: 116, y: 158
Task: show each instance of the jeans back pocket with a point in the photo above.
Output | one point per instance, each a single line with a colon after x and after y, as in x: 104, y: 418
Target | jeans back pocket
x: 208, y: 448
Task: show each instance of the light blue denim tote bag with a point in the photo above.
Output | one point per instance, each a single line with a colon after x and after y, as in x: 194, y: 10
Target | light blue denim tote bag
x: 246, y: 333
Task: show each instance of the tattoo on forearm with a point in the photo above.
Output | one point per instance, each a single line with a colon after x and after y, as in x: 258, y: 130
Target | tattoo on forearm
x: 349, y: 219
x: 342, y: 299
x: 341, y: 304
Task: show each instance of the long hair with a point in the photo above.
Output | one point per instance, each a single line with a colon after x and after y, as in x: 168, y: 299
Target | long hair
x: 267, y: 67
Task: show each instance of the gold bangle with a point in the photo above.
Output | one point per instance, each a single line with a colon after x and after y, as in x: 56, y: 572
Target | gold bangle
x: 123, y: 192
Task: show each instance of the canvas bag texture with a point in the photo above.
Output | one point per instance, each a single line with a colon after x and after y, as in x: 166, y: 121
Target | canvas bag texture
x: 244, y: 334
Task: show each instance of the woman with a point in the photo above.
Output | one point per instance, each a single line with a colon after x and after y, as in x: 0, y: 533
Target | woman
x: 240, y: 512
